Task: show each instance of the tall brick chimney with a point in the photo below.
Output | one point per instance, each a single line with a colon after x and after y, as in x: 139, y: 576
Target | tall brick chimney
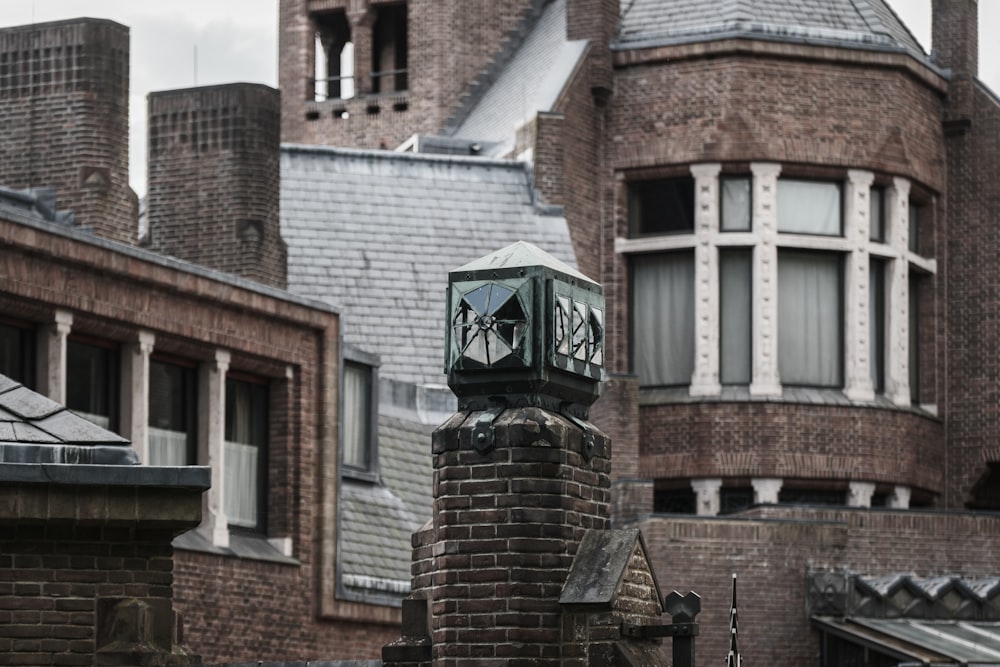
x: 64, y: 117
x: 214, y: 179
x: 955, y: 35
x: 596, y: 21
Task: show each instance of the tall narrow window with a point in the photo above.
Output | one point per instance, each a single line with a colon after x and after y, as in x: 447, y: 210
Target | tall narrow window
x: 877, y: 323
x: 916, y: 285
x: 91, y: 382
x: 358, y: 422
x: 171, y: 414
x: 389, y: 49
x: 735, y: 316
x: 661, y: 207
x: 663, y: 318
x: 914, y: 227
x: 246, y: 454
x: 876, y: 217
x: 809, y: 207
x: 17, y: 354
x: 334, y: 63
x: 810, y: 337
x: 736, y: 204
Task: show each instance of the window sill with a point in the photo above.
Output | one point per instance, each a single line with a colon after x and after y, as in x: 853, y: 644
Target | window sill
x: 649, y: 396
x: 247, y: 547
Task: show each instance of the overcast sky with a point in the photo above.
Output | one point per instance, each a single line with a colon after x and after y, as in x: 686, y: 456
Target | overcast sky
x: 181, y: 43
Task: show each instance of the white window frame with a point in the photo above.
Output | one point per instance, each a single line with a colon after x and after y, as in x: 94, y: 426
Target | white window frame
x: 765, y: 240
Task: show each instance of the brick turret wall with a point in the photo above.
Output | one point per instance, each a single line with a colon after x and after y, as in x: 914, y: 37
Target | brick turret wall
x: 64, y: 112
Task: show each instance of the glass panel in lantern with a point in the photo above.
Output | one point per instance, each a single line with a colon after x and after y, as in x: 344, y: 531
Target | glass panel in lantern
x: 597, y: 336
x: 581, y: 328
x: 562, y: 325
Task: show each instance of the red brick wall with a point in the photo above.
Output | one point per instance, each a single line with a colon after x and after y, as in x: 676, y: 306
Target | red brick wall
x: 789, y: 440
x: 214, y: 178
x: 64, y: 112
x: 971, y: 275
x: 266, y: 611
x: 955, y: 34
x: 772, y: 557
x: 450, y: 43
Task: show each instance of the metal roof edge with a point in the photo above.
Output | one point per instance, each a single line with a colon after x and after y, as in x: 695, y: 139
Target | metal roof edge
x: 387, y: 155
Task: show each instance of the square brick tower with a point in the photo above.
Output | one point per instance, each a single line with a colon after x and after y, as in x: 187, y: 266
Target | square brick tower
x: 64, y: 113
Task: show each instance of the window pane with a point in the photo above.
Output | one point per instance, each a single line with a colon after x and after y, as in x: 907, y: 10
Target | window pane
x: 809, y: 319
x: 90, y: 382
x: 735, y: 271
x: 876, y: 230
x: 357, y: 416
x: 662, y: 207
x: 876, y: 323
x: 736, y: 204
x: 171, y: 423
x: 914, y: 228
x: 15, y: 353
x: 663, y: 318
x: 914, y: 339
x: 809, y: 207
x: 245, y: 455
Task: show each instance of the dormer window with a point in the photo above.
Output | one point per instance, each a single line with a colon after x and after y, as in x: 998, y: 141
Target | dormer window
x: 389, y: 49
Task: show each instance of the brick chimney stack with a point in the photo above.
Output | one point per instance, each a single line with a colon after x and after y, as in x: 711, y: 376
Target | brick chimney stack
x: 955, y: 35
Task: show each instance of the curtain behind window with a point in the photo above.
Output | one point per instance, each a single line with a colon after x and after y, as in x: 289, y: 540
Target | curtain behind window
x: 246, y: 410
x: 356, y: 421
x: 809, y: 207
x: 809, y: 320
x: 736, y: 312
x: 663, y: 318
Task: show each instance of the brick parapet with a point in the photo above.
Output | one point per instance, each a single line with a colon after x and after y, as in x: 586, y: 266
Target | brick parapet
x: 791, y: 440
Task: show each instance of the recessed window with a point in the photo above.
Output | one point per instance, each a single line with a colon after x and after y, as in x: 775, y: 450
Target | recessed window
x: 809, y: 207
x: 661, y: 207
x: 914, y: 228
x: 389, y: 49
x: 876, y: 215
x: 334, y: 63
x: 358, y: 436
x: 674, y: 501
x: 17, y: 353
x: 735, y: 499
x: 246, y: 454
x: 92, y: 382
x: 810, y: 336
x: 663, y: 318
x: 736, y: 204
x: 795, y: 496
x: 877, y: 322
x: 735, y: 315
x: 171, y: 414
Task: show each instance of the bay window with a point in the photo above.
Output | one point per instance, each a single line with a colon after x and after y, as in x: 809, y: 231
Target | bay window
x: 769, y: 281
x: 92, y: 381
x: 359, y: 440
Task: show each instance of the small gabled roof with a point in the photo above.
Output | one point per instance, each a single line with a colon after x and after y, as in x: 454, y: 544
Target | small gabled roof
x: 600, y: 567
x: 848, y: 23
x: 34, y: 429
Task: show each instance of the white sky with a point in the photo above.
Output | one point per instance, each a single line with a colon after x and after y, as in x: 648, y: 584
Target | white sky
x: 236, y: 40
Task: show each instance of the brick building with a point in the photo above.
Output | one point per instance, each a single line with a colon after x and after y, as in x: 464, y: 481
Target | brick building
x: 788, y: 206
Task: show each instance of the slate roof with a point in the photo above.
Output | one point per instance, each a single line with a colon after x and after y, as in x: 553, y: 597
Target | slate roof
x: 34, y: 429
x: 376, y: 233
x: 850, y: 23
x: 531, y: 82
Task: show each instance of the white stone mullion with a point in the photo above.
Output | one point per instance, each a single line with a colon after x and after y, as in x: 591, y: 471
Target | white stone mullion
x: 135, y: 393
x: 708, y: 495
x: 51, y: 357
x: 212, y: 446
x: 857, y: 333
x: 766, y: 381
x: 705, y: 379
x: 898, y: 333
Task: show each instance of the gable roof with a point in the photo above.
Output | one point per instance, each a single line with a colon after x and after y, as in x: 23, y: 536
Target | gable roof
x: 377, y: 232
x: 850, y: 23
